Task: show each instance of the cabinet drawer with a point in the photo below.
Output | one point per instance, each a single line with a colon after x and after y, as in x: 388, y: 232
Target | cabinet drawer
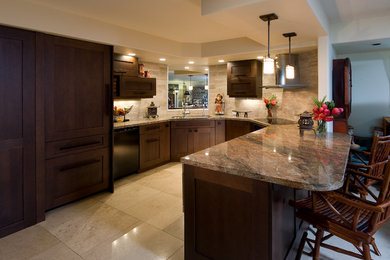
x: 135, y: 87
x: 64, y: 147
x: 143, y: 129
x: 242, y: 87
x: 192, y: 123
x: 71, y: 177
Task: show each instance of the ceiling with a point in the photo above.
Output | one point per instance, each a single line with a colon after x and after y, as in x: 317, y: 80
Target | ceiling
x: 346, y: 10
x: 221, y: 29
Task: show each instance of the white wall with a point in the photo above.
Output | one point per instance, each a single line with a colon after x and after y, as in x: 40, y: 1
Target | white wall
x: 370, y: 90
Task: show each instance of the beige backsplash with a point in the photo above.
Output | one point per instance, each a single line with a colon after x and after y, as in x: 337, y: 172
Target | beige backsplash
x: 291, y: 102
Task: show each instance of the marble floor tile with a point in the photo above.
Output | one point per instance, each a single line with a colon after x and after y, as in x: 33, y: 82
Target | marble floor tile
x: 97, y: 224
x: 159, y: 210
x: 176, y: 229
x: 178, y: 255
x: 142, y: 242
x: 57, y: 252
x: 26, y: 243
x: 127, y: 195
x: 168, y: 181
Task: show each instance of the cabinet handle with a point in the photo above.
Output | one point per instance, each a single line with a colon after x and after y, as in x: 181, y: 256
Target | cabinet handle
x: 78, y: 165
x: 195, y: 130
x: 74, y: 145
x: 152, y: 140
x: 139, y: 92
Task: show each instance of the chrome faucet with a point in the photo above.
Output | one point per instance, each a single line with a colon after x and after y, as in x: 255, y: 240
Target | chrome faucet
x: 185, y: 110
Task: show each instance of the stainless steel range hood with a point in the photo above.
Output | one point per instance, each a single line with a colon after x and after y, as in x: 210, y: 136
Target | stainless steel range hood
x: 281, y: 61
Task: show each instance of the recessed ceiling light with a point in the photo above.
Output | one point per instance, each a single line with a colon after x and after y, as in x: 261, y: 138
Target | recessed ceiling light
x: 221, y: 60
x: 376, y: 44
x: 191, y: 62
x: 206, y: 69
x: 186, y: 67
x: 260, y: 57
x: 163, y: 59
x: 131, y: 54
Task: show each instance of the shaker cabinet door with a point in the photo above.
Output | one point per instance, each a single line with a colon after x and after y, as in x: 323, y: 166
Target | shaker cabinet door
x: 17, y: 130
x: 76, y: 76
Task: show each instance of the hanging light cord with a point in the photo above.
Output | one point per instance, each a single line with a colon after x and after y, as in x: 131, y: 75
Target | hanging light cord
x: 289, y: 50
x: 269, y: 23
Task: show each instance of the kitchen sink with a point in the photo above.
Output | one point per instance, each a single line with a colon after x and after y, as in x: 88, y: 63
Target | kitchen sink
x: 191, y: 117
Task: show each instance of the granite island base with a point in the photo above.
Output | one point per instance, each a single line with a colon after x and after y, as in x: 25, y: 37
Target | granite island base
x: 236, y: 193
x: 233, y: 217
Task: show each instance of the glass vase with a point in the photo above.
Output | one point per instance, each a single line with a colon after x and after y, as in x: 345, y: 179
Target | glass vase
x: 269, y: 112
x: 321, y: 126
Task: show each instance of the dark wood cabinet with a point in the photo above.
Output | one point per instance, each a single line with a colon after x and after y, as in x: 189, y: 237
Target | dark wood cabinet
x: 244, y: 78
x: 74, y: 176
x: 190, y: 136
x: 236, y: 128
x: 77, y: 79
x: 342, y: 92
x: 17, y: 131
x: 220, y: 131
x: 154, y: 145
x: 125, y: 65
x: 134, y: 87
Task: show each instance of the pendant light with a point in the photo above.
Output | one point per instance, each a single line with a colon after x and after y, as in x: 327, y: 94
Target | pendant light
x: 290, y: 70
x: 268, y: 62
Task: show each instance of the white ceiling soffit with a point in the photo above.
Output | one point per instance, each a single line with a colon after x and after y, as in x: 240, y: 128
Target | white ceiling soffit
x: 169, y: 27
x: 362, y: 46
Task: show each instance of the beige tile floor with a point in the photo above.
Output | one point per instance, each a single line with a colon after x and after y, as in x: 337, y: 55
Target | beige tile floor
x: 143, y: 220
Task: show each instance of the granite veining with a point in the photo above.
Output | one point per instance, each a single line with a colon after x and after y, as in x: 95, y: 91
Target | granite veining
x: 278, y: 154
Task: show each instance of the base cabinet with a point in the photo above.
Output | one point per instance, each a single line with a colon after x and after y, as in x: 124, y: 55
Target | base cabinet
x: 154, y: 145
x: 191, y: 136
x: 236, y: 128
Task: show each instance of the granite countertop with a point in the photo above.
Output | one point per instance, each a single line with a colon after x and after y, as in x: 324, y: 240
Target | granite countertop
x: 146, y: 121
x: 278, y: 154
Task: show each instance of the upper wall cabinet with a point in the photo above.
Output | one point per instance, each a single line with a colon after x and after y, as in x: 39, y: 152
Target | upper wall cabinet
x: 127, y: 83
x: 17, y: 130
x: 77, y: 79
x: 244, y: 78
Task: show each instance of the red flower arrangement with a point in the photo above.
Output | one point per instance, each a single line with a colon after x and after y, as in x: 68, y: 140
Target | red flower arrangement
x: 270, y: 103
x: 324, y: 111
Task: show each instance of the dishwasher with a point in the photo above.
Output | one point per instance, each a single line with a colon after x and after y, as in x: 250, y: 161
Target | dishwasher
x: 126, y: 151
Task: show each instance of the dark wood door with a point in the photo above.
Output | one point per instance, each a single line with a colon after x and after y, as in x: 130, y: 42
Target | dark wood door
x: 75, y: 176
x: 17, y: 130
x: 76, y: 76
x: 235, y: 128
x: 203, y: 138
x: 166, y: 141
x: 219, y: 131
x: 182, y: 142
x: 150, y: 150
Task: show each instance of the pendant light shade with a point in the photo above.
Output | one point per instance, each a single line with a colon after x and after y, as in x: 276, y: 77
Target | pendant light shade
x: 190, y: 88
x: 290, y: 70
x: 269, y: 64
x: 206, y: 86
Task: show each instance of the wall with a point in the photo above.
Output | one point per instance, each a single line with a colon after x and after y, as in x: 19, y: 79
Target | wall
x: 291, y: 102
x: 370, y: 90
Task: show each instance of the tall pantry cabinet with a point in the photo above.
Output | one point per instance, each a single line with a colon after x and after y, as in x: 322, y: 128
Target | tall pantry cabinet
x: 75, y: 77
x: 55, y: 123
x: 17, y: 129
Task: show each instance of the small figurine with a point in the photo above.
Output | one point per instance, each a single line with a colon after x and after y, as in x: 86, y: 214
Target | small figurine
x: 219, y: 108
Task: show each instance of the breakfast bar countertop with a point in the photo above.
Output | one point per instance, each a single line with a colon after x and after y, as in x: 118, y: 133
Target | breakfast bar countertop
x: 278, y: 154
